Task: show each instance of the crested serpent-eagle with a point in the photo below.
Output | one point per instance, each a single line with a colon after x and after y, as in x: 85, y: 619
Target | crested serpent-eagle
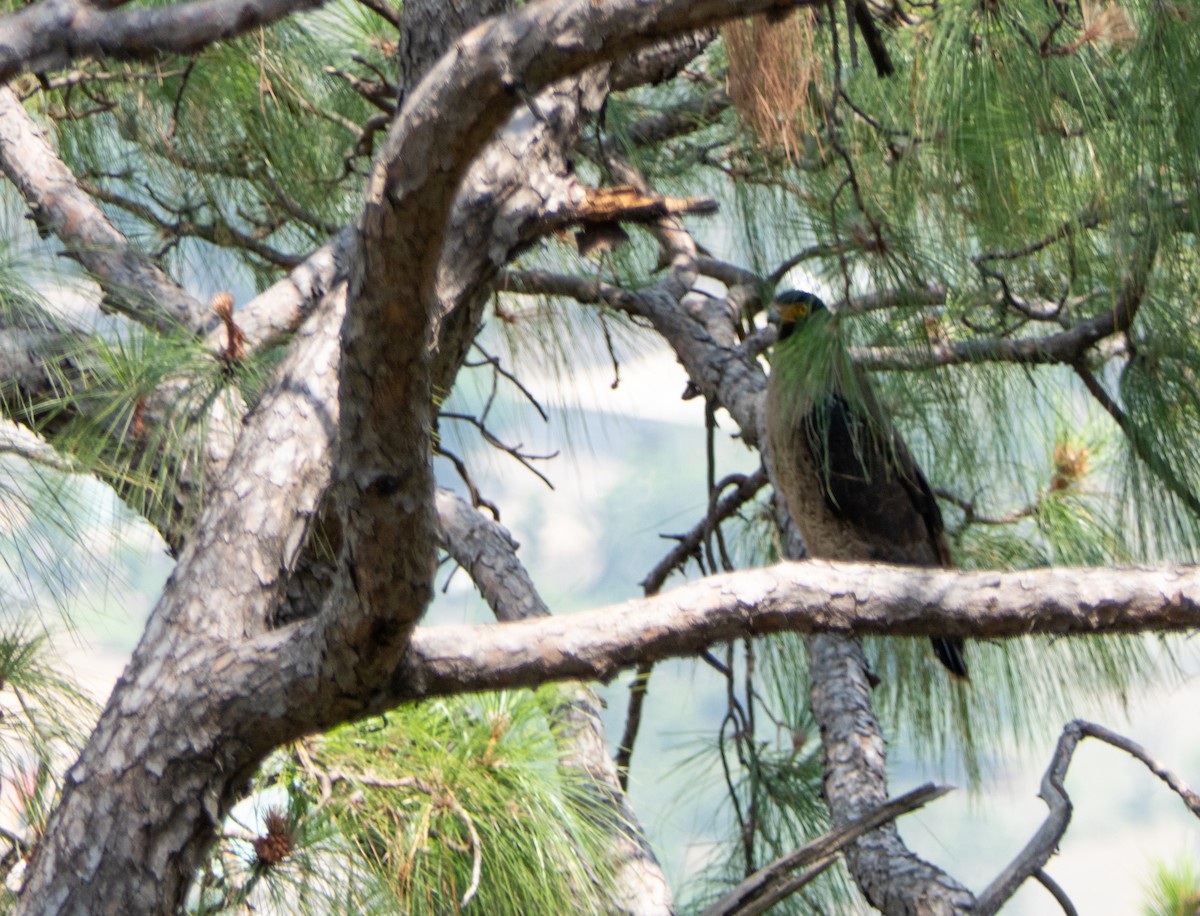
x: 847, y: 477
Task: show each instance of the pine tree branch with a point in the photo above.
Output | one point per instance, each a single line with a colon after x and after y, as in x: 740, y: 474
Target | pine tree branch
x: 1066, y: 347
x: 1061, y: 348
x: 176, y: 225
x: 688, y: 545
x: 280, y: 309
x: 679, y: 120
x: 809, y: 597
x: 704, y: 335
x: 729, y: 274
x: 660, y: 61
x: 384, y: 10
x: 1089, y: 218
x: 548, y: 283
x: 488, y: 553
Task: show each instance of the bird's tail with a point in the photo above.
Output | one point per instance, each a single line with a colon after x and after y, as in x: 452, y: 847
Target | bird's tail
x: 949, y: 651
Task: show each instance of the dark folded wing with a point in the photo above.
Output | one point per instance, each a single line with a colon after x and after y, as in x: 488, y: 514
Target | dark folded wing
x: 873, y: 484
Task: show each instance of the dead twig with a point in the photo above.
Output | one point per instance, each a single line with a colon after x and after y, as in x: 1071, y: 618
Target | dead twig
x: 1030, y: 861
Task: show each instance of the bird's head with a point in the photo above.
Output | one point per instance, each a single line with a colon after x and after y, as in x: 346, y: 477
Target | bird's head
x: 793, y: 308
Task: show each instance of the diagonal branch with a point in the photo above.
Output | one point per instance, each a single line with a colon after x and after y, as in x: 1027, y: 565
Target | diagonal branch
x: 772, y: 883
x: 132, y: 281
x: 488, y: 553
x: 687, y: 546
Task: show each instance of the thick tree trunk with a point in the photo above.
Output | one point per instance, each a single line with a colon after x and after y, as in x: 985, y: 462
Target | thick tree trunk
x: 212, y: 688
x: 198, y: 708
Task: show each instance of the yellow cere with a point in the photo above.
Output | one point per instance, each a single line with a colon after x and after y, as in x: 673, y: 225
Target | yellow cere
x: 792, y: 311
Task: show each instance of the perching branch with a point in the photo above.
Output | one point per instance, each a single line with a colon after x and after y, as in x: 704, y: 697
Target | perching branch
x: 809, y: 597
x: 1044, y: 843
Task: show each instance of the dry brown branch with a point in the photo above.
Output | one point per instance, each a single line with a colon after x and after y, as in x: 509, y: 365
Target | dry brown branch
x: 1045, y: 842
x: 628, y: 203
x: 773, y: 883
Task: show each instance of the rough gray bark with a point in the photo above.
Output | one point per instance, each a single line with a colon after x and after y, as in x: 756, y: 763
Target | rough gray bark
x: 427, y: 28
x: 528, y: 154
x: 138, y: 808
x: 890, y: 876
x: 476, y: 167
x: 488, y: 553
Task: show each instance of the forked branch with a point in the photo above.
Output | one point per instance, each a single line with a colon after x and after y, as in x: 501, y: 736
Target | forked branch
x: 1039, y: 849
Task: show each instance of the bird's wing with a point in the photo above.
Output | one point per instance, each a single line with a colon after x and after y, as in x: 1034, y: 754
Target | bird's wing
x: 872, y: 483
